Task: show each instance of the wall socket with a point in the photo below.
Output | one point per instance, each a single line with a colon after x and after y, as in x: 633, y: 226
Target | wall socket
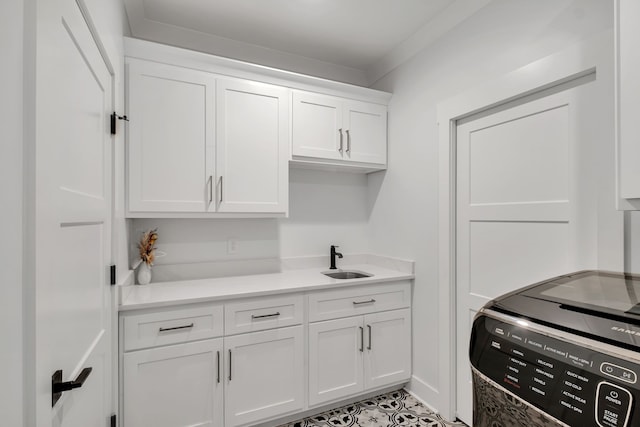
x: 232, y: 245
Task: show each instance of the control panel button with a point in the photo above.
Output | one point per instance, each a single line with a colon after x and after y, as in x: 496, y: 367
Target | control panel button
x: 613, y: 405
x: 618, y: 372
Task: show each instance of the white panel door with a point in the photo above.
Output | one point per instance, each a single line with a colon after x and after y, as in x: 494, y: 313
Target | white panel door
x: 628, y: 90
x: 365, y: 132
x: 252, y: 147
x: 69, y: 239
x: 526, y: 209
x: 174, y: 386
x: 335, y: 359
x: 387, y: 348
x: 264, y: 375
x: 317, y: 126
x: 171, y: 138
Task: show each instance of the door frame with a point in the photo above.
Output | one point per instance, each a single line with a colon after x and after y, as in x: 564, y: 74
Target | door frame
x: 577, y: 61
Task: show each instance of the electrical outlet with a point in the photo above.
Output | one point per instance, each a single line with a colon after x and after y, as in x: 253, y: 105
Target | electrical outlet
x: 232, y: 246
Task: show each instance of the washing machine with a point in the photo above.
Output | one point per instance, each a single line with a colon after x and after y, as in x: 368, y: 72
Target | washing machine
x: 562, y: 352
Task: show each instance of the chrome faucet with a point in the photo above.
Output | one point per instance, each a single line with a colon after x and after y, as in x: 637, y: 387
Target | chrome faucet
x: 334, y: 254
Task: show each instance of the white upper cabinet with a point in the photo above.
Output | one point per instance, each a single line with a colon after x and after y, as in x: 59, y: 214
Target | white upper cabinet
x: 366, y: 132
x: 171, y: 137
x: 209, y: 137
x: 317, y: 126
x: 252, y: 147
x: 338, y: 132
x: 628, y: 106
x: 201, y: 145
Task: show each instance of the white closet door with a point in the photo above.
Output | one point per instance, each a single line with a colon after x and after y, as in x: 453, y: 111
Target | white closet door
x: 526, y: 208
x: 68, y: 241
x: 252, y: 147
x: 171, y: 137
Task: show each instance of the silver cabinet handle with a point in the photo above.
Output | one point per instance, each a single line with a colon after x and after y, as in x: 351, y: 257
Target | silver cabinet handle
x: 229, y: 365
x: 210, y: 188
x: 264, y: 316
x: 218, y: 367
x: 340, y: 149
x: 348, y: 142
x: 176, y: 328
x: 361, y: 339
x: 369, y: 346
x: 371, y: 301
x: 221, y: 188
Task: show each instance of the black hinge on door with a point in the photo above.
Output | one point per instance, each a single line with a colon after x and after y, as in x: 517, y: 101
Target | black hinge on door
x: 112, y: 274
x: 113, y: 420
x: 115, y: 117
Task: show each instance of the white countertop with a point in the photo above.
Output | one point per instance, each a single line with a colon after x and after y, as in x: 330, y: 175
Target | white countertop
x: 163, y: 294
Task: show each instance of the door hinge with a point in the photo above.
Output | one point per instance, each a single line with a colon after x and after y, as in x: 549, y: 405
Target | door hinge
x: 115, y: 117
x: 112, y: 275
x: 113, y: 420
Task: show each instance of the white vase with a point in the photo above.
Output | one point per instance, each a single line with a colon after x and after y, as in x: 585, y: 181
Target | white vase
x: 144, y: 274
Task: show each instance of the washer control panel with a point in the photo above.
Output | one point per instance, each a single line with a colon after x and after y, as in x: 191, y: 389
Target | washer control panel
x: 576, y: 385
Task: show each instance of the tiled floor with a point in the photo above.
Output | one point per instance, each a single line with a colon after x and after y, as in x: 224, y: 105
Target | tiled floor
x: 397, y: 408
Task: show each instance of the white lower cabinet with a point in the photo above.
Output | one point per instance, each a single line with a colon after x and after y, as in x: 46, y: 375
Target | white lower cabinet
x: 388, y: 352
x: 265, y: 376
x: 257, y: 359
x: 174, y: 386
x: 351, y: 355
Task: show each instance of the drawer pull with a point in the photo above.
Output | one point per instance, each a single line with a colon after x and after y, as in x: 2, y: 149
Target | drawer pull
x: 218, y: 367
x: 371, y: 301
x: 264, y: 316
x: 176, y: 328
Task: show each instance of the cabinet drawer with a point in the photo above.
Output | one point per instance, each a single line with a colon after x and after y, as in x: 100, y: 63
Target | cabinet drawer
x: 262, y: 313
x: 327, y: 305
x: 172, y: 326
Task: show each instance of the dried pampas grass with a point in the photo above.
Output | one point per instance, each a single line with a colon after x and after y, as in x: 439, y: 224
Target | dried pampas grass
x: 146, y: 246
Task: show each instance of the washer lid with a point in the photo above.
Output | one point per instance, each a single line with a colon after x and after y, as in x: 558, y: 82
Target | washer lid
x: 602, y: 291
x: 597, y: 304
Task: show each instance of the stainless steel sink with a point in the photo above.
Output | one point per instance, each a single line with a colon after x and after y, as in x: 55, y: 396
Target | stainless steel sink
x: 346, y: 274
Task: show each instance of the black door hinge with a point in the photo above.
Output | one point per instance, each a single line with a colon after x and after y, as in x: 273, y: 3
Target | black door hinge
x: 112, y: 275
x: 113, y: 420
x: 115, y: 117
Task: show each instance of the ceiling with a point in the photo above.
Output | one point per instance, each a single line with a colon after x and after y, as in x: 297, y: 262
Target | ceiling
x: 357, y: 41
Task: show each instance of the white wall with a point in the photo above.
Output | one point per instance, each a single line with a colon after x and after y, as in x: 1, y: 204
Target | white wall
x: 500, y: 38
x: 11, y: 115
x: 325, y: 208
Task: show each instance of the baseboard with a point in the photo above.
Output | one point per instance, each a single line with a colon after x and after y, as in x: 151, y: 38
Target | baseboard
x: 424, y: 392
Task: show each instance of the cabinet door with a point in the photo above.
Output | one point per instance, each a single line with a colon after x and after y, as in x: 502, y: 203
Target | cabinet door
x: 252, y: 147
x: 317, y: 126
x: 264, y: 375
x: 388, y: 348
x: 628, y: 92
x: 335, y: 359
x: 366, y: 132
x: 174, y: 386
x: 170, y: 138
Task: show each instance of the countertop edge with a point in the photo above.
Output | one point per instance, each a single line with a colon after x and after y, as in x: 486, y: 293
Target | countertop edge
x: 225, y: 295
